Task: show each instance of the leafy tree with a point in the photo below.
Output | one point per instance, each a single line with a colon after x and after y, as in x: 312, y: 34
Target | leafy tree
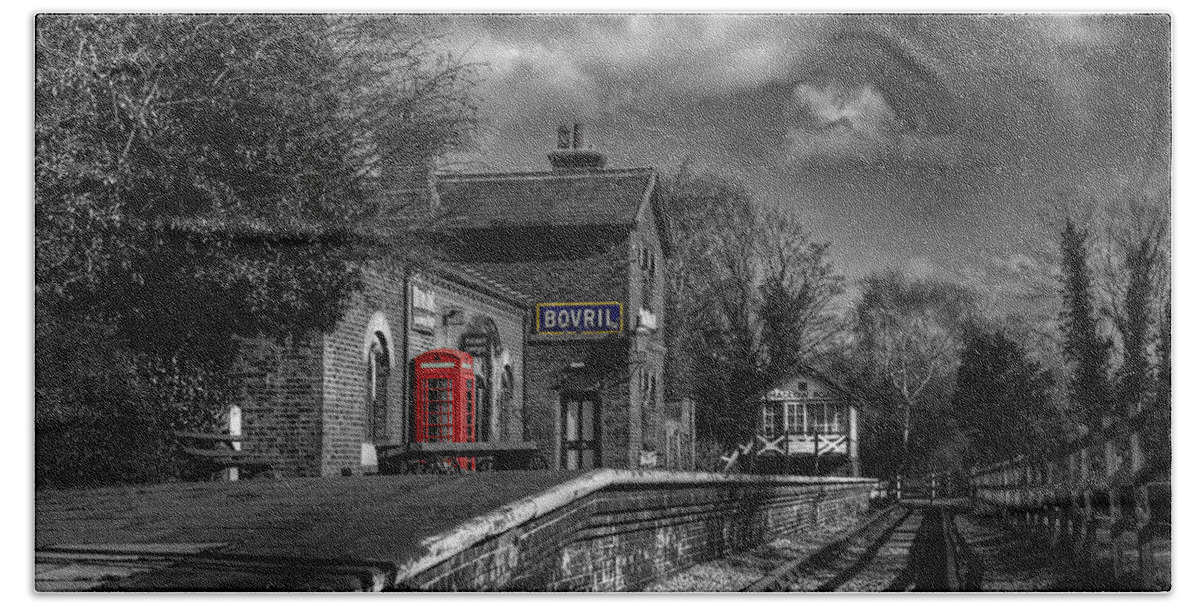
x: 200, y: 178
x: 1086, y: 351
x: 1002, y: 400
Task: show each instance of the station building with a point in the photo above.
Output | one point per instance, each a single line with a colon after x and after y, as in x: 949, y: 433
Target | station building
x: 587, y: 243
x: 552, y: 280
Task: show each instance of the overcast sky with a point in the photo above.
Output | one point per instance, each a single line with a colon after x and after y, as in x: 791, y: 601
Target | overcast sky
x: 931, y: 143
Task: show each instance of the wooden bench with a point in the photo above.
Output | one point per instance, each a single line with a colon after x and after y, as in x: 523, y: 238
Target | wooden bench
x: 441, y: 457
x: 220, y: 452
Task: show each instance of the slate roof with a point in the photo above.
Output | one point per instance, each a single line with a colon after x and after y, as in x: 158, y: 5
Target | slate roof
x: 587, y: 198
x: 475, y: 278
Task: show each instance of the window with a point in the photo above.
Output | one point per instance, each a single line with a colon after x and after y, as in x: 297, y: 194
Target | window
x: 816, y: 412
x: 378, y: 371
x: 795, y: 418
x: 769, y: 420
x: 647, y: 263
x: 826, y: 418
x: 483, y: 400
x: 834, y: 418
x: 507, y: 397
x: 674, y: 450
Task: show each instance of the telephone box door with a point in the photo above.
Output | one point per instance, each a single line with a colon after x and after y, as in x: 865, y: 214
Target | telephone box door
x: 444, y: 399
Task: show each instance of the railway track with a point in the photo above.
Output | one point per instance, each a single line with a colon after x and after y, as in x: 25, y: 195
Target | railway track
x: 905, y: 548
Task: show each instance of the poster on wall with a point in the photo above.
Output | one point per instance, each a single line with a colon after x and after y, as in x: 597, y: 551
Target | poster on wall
x: 424, y: 310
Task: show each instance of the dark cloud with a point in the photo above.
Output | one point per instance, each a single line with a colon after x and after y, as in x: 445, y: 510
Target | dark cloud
x: 900, y: 137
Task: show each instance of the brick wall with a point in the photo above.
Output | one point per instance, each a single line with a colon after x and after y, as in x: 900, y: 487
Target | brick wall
x: 649, y: 359
x: 305, y: 398
x: 281, y: 400
x: 344, y: 389
x: 636, y: 528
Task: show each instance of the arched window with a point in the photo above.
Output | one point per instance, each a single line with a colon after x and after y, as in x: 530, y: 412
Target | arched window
x: 507, y: 396
x: 379, y: 368
x: 482, y: 340
x: 483, y: 401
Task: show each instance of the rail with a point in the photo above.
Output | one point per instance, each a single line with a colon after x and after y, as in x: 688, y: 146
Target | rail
x: 780, y: 578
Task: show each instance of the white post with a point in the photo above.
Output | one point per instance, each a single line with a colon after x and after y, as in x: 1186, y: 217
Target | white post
x: 235, y: 429
x: 853, y: 447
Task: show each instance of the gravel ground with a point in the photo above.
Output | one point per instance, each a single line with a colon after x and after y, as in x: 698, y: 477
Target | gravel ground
x: 735, y: 572
x: 1009, y: 562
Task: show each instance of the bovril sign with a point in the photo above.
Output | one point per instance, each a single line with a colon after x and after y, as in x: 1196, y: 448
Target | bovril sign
x: 559, y: 318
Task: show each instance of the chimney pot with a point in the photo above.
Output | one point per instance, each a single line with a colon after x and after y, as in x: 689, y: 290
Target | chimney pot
x: 564, y: 137
x: 578, y: 139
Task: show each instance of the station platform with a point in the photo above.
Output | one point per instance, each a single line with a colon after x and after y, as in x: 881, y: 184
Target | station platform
x: 305, y: 533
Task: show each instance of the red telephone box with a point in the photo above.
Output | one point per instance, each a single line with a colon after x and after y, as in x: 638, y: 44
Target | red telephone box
x: 444, y: 386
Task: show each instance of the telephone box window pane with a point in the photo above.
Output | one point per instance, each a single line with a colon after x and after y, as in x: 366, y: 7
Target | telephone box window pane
x: 587, y: 458
x: 439, y: 407
x: 572, y: 460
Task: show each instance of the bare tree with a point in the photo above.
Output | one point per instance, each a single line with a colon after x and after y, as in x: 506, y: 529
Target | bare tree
x: 908, y: 336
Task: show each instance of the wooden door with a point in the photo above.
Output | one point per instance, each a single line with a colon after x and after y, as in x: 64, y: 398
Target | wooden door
x: 580, y: 430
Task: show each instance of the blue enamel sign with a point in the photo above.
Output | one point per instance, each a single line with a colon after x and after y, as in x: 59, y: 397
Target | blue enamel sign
x: 579, y: 318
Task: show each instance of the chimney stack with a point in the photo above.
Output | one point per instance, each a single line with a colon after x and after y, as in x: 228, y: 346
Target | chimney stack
x: 570, y: 157
x: 578, y: 139
x: 564, y: 137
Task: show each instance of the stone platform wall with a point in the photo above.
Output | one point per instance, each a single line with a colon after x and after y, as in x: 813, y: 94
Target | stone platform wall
x: 621, y: 530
